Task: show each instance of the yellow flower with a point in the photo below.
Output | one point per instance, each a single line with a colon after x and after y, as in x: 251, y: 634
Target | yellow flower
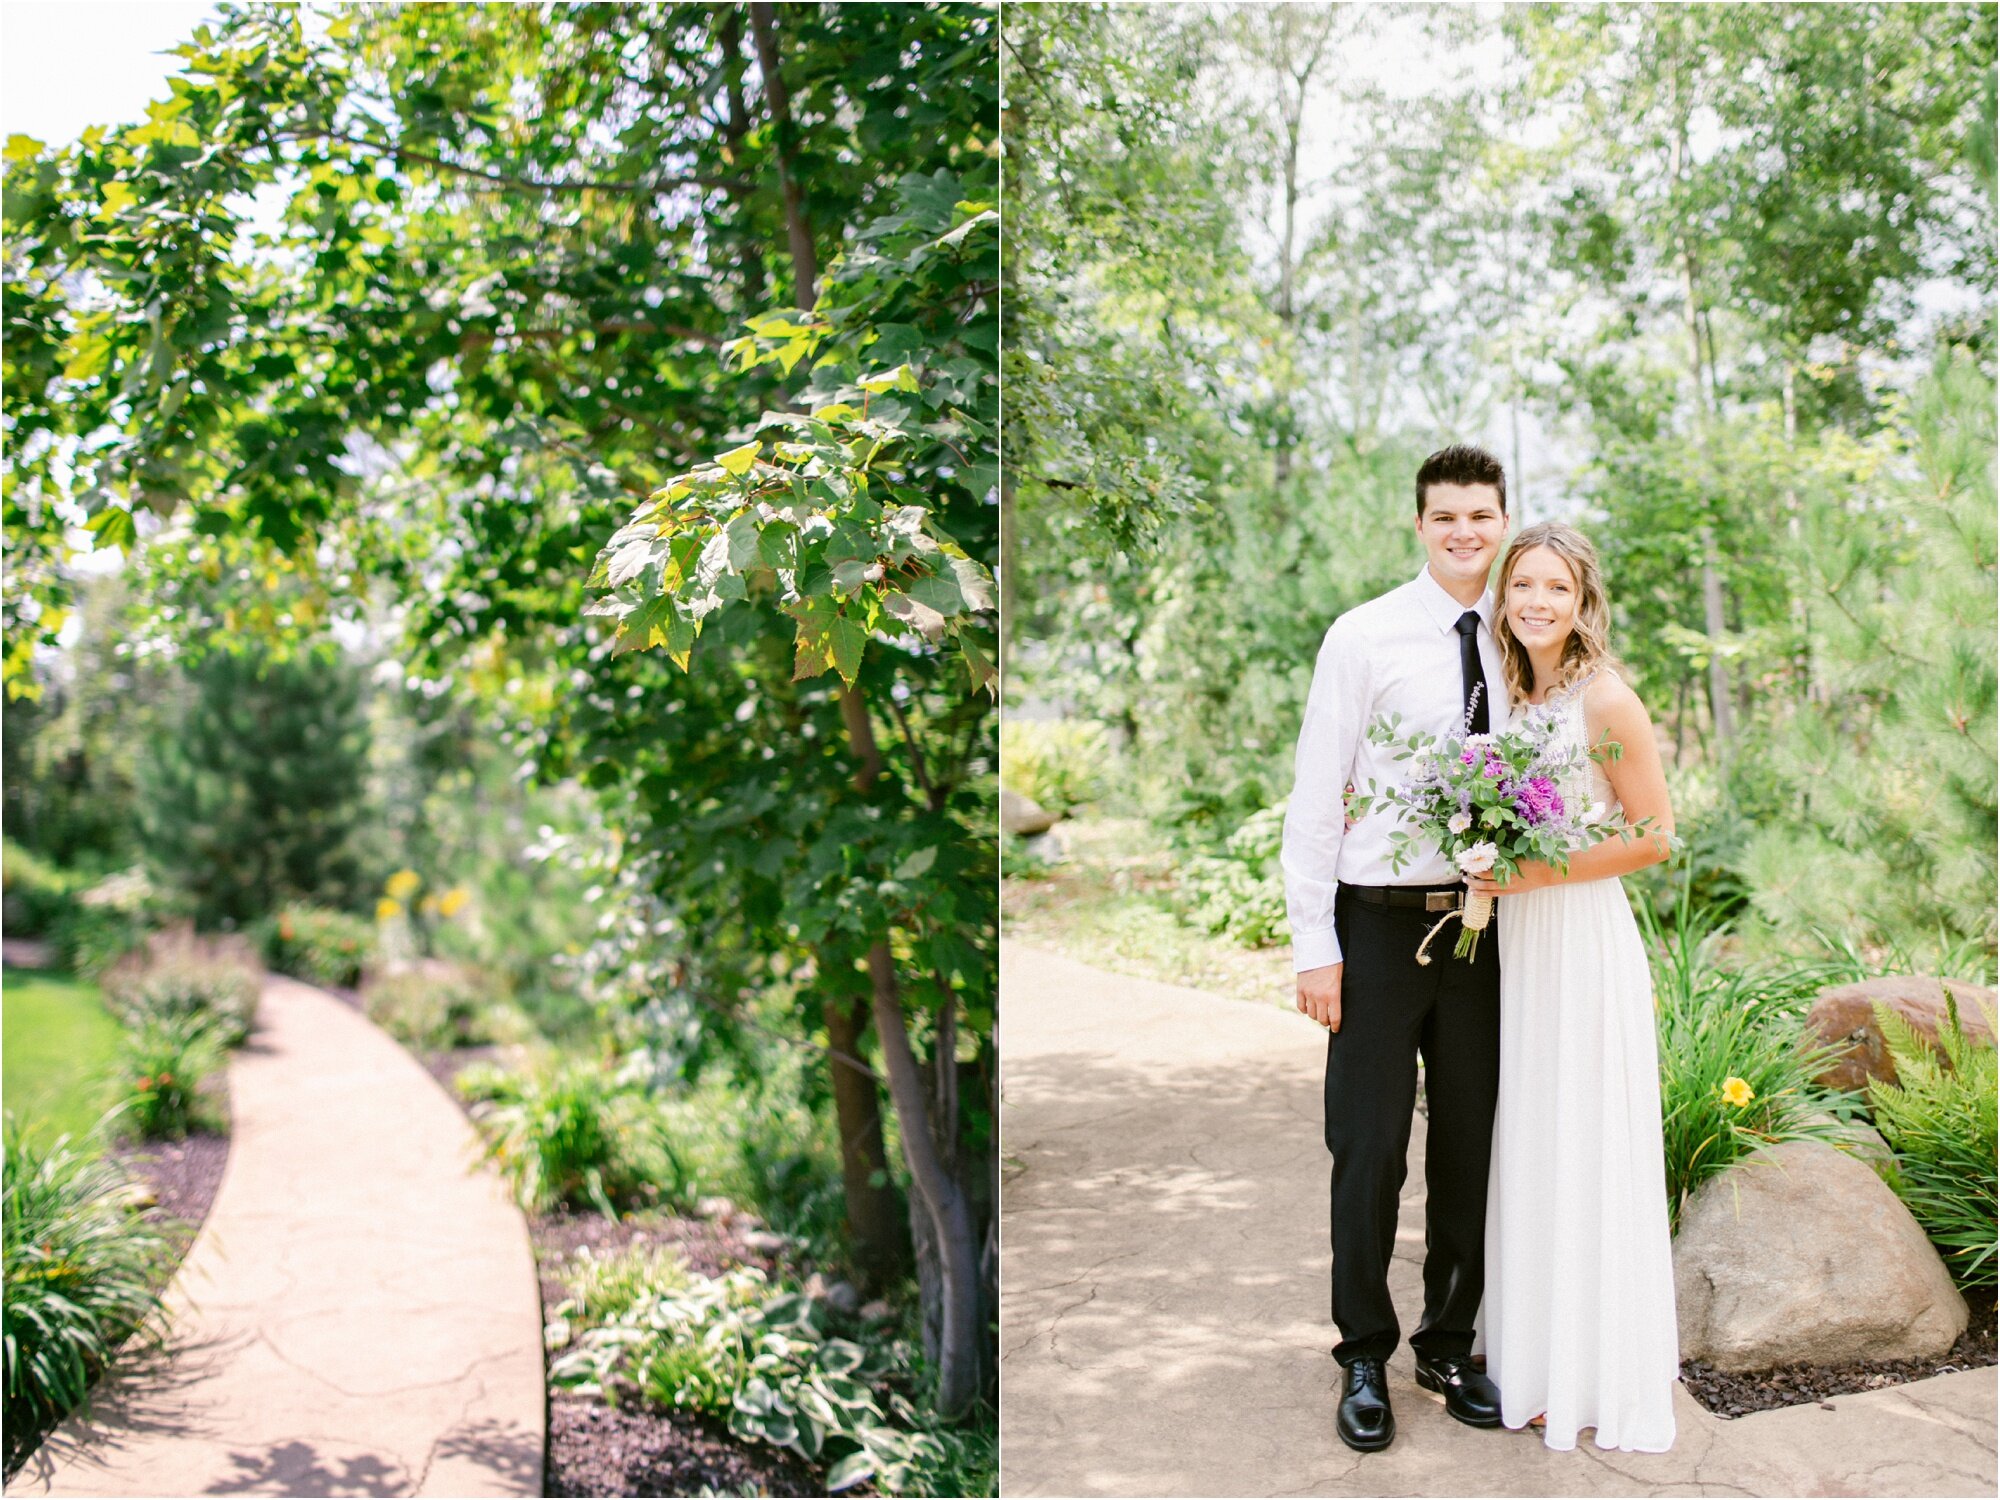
x: 1735, y: 1091
x: 386, y: 908
x: 452, y: 902
x: 403, y: 885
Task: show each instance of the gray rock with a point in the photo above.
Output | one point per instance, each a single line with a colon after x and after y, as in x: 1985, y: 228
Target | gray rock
x: 1050, y: 848
x: 1801, y: 1255
x: 1861, y: 1141
x: 1024, y: 815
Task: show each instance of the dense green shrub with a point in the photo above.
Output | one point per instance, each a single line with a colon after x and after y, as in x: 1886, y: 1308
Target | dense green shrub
x: 1939, y: 1119
x: 428, y: 1007
x: 81, y: 1271
x: 572, y: 1134
x: 738, y: 1348
x: 177, y: 975
x: 765, y: 1145
x: 1241, y: 893
x: 162, y: 1061
x: 38, y: 892
x: 1057, y: 763
x: 316, y: 944
x: 1736, y: 1067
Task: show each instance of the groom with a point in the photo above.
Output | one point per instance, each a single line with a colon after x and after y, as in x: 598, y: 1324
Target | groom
x: 1425, y: 651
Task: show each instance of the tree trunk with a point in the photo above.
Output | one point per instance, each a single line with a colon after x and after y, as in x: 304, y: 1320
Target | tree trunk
x: 734, y: 129
x: 805, y: 260
x: 880, y: 1247
x: 1287, y: 309
x: 874, y: 1216
x: 1010, y: 564
x: 954, y: 1298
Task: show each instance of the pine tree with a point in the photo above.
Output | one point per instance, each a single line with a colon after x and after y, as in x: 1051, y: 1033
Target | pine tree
x: 1893, y: 768
x: 255, y: 792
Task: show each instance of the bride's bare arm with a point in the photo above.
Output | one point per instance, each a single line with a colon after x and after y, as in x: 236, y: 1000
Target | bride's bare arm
x: 1611, y: 710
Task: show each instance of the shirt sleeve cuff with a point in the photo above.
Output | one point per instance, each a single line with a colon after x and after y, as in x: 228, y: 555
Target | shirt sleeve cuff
x: 1314, y: 950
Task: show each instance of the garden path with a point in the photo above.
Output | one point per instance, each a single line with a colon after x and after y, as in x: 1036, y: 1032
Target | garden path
x: 359, y: 1314
x: 1163, y: 1324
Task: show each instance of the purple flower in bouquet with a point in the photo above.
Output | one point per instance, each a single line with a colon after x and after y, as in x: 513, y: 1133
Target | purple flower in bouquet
x: 1536, y: 799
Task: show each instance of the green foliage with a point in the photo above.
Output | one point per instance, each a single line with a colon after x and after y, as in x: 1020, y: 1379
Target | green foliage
x: 178, y: 975
x: 82, y: 1268
x: 1241, y: 893
x: 1220, y: 388
x: 764, y: 1137
x: 737, y: 1348
x: 316, y: 944
x: 255, y: 793
x: 1939, y: 1119
x: 1887, y: 796
x: 1059, y: 764
x: 572, y: 1134
x: 90, y: 939
x: 162, y: 1060
x: 533, y: 360
x: 39, y: 893
x: 1736, y: 1067
x: 429, y: 1007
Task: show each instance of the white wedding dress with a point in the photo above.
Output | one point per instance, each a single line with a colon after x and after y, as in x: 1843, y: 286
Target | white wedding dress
x: 1578, y: 1318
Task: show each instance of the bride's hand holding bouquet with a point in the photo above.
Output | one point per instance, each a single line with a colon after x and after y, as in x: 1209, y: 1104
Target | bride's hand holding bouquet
x: 1507, y: 809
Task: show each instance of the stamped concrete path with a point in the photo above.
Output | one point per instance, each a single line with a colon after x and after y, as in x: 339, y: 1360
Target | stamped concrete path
x: 359, y: 1314
x: 1163, y: 1316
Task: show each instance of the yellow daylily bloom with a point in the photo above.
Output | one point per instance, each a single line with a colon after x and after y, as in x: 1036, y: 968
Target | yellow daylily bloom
x: 1735, y: 1091
x: 387, y: 908
x: 453, y: 901
x: 403, y: 884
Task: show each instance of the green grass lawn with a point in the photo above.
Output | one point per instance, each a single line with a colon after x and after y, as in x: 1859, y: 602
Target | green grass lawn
x: 59, y: 1045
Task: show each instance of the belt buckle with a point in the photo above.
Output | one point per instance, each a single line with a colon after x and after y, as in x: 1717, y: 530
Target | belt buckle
x: 1440, y: 900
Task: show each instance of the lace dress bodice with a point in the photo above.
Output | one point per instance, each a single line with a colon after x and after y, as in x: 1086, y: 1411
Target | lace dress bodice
x: 1590, y: 785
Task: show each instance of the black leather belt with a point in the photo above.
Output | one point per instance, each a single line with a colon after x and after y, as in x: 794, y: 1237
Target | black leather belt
x: 1422, y: 897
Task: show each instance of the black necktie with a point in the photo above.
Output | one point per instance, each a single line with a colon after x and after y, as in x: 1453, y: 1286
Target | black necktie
x: 1469, y: 669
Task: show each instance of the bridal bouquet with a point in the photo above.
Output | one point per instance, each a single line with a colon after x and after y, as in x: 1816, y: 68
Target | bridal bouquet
x: 1490, y: 802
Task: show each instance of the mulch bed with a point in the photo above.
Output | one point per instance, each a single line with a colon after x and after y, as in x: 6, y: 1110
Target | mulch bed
x: 183, y: 1175
x: 1794, y: 1385
x: 595, y: 1448
x: 632, y: 1449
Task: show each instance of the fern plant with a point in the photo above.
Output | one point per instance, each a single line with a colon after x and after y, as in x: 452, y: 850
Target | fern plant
x: 1940, y: 1120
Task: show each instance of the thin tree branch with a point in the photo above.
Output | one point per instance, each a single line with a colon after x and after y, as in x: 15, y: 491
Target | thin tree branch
x: 503, y: 181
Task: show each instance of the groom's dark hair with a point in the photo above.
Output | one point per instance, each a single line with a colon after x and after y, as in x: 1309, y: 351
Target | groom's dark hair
x: 1461, y: 463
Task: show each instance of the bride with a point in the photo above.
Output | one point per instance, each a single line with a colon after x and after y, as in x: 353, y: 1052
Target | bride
x: 1578, y: 1317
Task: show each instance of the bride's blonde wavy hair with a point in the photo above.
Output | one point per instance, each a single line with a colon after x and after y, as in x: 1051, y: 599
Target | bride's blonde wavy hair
x: 1588, y: 647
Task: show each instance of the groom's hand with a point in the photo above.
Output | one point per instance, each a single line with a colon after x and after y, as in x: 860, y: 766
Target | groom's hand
x: 1319, y: 994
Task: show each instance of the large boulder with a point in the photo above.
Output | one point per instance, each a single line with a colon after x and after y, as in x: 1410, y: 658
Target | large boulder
x: 1845, y: 1018
x: 1799, y: 1254
x: 1024, y: 815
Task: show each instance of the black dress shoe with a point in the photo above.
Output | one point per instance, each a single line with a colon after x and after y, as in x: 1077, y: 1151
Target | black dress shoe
x: 1366, y: 1424
x: 1468, y: 1395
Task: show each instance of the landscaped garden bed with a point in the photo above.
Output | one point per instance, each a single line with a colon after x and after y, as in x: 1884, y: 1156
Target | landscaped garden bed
x: 1730, y: 1395
x: 682, y: 1276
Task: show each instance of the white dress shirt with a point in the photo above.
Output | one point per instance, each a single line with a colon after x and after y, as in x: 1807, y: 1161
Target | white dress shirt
x: 1396, y: 654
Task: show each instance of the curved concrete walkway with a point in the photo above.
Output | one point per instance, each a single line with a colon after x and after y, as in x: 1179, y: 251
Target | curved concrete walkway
x: 359, y: 1314
x: 1164, y: 1325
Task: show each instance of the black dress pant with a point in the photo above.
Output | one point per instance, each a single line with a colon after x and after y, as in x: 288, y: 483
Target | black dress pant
x: 1391, y: 1011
